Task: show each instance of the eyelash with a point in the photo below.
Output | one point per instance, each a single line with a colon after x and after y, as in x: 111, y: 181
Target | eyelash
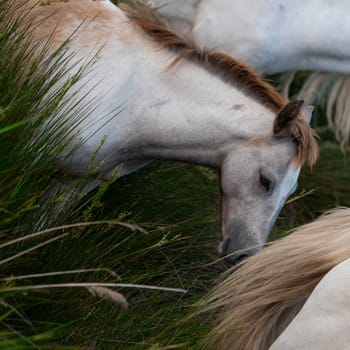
x: 265, y: 182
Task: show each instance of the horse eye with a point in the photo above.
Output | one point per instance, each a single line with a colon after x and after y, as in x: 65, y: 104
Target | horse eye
x: 265, y: 182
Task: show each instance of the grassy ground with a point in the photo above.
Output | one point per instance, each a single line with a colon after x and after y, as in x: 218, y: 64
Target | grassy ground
x: 177, y: 205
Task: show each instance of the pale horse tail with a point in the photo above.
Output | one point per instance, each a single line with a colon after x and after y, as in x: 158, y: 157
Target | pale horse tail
x: 256, y: 302
x: 334, y: 88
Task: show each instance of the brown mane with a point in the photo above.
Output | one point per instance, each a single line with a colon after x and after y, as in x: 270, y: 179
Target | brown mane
x: 229, y: 69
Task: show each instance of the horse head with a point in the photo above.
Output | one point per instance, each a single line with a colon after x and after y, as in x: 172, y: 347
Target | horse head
x: 258, y: 176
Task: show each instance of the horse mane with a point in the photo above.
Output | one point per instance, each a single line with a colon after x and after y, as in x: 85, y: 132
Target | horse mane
x: 231, y: 70
x: 260, y: 298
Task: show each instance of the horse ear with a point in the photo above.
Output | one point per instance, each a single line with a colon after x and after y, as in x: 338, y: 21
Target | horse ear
x: 285, y: 117
x: 306, y: 112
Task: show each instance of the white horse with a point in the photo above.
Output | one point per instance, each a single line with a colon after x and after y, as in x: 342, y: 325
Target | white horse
x: 324, y: 321
x: 272, y: 36
x: 181, y: 103
x: 293, y: 295
x: 278, y: 36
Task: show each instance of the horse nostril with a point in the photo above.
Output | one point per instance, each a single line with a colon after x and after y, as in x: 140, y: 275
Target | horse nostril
x: 224, y: 247
x: 241, y: 258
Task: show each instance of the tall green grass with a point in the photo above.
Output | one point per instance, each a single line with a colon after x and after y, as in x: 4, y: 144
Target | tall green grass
x: 36, y: 120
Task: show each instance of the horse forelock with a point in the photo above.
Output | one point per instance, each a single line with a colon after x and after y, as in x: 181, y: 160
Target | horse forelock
x: 305, y: 138
x: 260, y: 299
x: 229, y: 69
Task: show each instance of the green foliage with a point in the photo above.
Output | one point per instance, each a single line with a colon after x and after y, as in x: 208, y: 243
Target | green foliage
x: 32, y: 97
x: 43, y: 341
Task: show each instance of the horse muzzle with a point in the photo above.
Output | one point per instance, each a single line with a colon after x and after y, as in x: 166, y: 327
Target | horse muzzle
x: 234, y: 252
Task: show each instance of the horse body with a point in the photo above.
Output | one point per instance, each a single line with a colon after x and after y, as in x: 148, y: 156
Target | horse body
x: 132, y: 71
x: 292, y: 295
x: 189, y: 112
x: 272, y: 36
x: 324, y: 321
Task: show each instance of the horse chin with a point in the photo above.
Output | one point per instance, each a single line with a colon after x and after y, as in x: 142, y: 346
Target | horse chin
x: 235, y: 263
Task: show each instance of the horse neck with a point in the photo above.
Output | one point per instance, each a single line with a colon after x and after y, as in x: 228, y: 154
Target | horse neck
x: 275, y: 37
x: 185, y: 113
x: 188, y: 114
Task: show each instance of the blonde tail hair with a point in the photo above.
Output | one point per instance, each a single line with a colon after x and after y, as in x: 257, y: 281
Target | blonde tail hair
x: 259, y: 300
